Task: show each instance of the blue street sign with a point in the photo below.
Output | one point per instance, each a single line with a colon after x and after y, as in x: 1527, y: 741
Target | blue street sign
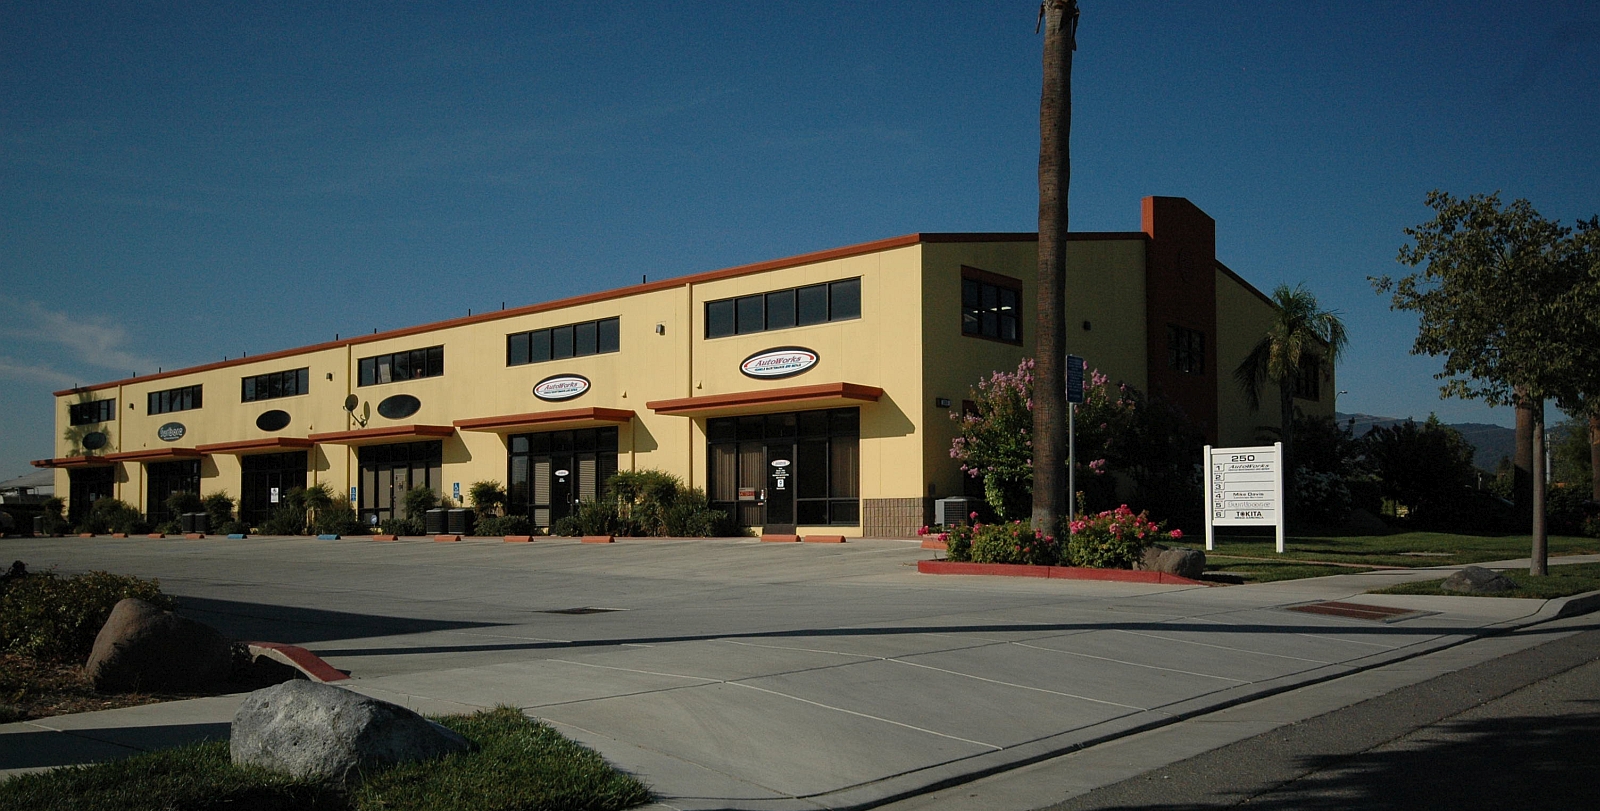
x: 1074, y: 379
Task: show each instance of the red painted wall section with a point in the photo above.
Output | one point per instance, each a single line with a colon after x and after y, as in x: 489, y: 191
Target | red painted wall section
x: 1180, y: 288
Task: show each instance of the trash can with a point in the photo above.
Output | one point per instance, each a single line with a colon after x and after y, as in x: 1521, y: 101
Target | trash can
x: 460, y: 522
x: 38, y: 525
x: 951, y: 511
x: 433, y: 521
x: 186, y: 522
x: 201, y: 522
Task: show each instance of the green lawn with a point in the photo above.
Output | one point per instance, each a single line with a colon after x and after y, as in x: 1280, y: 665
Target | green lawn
x: 520, y: 764
x: 1409, y: 549
x: 1563, y: 581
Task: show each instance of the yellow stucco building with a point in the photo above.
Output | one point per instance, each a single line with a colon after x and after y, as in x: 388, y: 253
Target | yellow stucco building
x: 808, y: 394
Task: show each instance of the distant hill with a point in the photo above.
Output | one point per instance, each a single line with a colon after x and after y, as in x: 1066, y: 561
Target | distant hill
x: 1490, y: 442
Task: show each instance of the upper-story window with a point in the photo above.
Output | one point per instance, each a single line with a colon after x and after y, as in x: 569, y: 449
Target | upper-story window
x: 411, y: 365
x: 1308, y: 378
x: 277, y: 384
x: 1186, y: 350
x: 570, y: 341
x: 991, y: 305
x: 184, y: 399
x: 781, y: 309
x: 92, y: 412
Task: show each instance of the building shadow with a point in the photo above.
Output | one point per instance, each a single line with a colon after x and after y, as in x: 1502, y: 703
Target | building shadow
x: 299, y: 624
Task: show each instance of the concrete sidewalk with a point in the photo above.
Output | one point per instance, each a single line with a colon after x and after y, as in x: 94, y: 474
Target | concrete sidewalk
x: 740, y: 675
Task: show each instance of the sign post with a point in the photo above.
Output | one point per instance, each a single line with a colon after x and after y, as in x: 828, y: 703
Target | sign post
x: 1244, y: 488
x: 1074, y: 397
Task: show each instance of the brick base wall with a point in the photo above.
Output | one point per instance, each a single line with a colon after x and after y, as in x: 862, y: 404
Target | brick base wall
x: 895, y: 517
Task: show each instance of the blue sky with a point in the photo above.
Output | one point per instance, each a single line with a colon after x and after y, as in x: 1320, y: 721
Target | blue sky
x: 183, y: 181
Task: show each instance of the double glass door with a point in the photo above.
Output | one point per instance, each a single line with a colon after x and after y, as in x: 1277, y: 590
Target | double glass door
x: 266, y: 480
x: 551, y: 473
x: 388, y: 472
x: 780, y: 471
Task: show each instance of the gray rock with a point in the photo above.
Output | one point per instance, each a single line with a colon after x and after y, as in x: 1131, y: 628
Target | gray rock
x: 1477, y: 580
x: 309, y: 729
x: 142, y: 647
x: 1181, y: 561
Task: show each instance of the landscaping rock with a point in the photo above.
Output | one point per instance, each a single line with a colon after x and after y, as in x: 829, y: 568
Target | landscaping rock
x: 142, y: 647
x: 1477, y: 580
x: 1181, y: 561
x: 308, y: 729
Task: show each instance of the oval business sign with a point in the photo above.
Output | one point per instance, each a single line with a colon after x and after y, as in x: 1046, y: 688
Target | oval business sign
x: 274, y: 420
x: 784, y: 361
x: 398, y: 406
x: 561, y: 387
x: 94, y: 441
x: 171, y: 432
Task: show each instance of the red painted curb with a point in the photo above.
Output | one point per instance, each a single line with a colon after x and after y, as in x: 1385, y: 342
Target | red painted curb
x: 1055, y: 572
x: 446, y: 538
x: 519, y: 539
x: 824, y: 539
x: 193, y: 536
x: 86, y: 535
x: 119, y: 534
x: 386, y: 537
x: 599, y: 539
x: 780, y: 539
x: 306, y: 661
x: 935, y: 545
x: 155, y: 535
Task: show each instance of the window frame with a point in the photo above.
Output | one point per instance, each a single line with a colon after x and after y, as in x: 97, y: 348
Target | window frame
x: 171, y: 401
x: 735, y: 315
x: 429, y: 359
x: 1186, y: 350
x: 92, y: 412
x: 983, y: 282
x: 541, y: 345
x: 251, y: 386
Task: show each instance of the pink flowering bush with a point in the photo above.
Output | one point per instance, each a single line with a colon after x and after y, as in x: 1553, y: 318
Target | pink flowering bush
x: 957, y: 540
x: 1114, y: 539
x: 1014, y: 542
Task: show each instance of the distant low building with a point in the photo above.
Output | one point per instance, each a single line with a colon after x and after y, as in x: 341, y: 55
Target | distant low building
x: 31, y: 488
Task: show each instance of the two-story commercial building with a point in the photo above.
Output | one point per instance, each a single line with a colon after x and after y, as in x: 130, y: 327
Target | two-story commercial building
x: 812, y: 393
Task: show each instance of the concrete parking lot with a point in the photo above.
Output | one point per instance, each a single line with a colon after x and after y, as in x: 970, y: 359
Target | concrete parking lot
x: 736, y: 674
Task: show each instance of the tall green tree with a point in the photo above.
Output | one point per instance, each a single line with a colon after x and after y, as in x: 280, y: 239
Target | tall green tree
x: 1059, y: 18
x: 1499, y: 292
x: 1304, y: 339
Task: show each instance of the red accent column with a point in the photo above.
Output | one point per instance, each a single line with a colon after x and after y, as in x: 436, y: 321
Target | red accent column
x: 1181, y: 288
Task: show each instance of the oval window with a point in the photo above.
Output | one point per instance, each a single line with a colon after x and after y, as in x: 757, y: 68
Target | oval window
x: 94, y: 441
x: 399, y: 406
x: 274, y: 420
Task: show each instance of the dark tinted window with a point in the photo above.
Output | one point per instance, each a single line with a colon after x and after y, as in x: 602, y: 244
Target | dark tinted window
x: 813, y: 304
x: 991, y: 310
x: 844, y: 300
x: 517, y: 349
x: 585, y: 338
x: 752, y: 314
x: 610, y: 335
x: 572, y: 340
x: 539, y: 345
x: 780, y: 309
x: 184, y: 399
x: 411, y: 365
x: 719, y: 318
x: 92, y: 412
x: 561, y: 342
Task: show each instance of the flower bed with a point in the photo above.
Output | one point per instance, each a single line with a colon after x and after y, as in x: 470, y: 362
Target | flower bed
x: 1111, y: 540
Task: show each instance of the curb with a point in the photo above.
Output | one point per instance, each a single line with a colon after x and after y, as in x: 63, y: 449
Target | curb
x: 1055, y: 572
x: 298, y: 658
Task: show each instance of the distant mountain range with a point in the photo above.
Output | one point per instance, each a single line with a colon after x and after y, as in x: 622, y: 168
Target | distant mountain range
x: 1489, y: 441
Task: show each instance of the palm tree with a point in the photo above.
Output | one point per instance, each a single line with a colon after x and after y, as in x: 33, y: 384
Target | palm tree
x: 1050, y: 499
x: 1303, y: 339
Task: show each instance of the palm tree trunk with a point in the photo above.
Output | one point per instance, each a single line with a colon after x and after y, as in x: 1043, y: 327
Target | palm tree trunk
x: 1049, y: 371
x: 1286, y: 415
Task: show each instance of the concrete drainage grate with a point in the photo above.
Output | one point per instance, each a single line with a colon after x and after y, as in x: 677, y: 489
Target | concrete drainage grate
x: 582, y: 610
x: 1359, y: 611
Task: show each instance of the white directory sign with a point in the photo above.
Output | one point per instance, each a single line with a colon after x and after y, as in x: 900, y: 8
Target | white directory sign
x: 1244, y: 488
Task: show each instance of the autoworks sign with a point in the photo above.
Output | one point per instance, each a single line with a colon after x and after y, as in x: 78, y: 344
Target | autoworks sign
x: 171, y: 432
x: 783, y: 361
x: 561, y: 387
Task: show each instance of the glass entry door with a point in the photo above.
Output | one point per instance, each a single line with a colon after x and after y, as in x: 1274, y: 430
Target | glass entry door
x: 779, y: 471
x: 266, y: 479
x: 779, y: 518
x: 388, y: 472
x: 550, y: 473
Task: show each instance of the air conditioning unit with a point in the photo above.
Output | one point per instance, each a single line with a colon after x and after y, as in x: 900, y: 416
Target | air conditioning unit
x: 952, y: 511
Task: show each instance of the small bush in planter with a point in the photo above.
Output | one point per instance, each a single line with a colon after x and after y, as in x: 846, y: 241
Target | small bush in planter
x: 113, y: 515
x: 591, y: 518
x: 1114, y: 539
x: 338, y: 518
x: 285, y: 519
x: 402, y: 526
x: 1014, y: 542
x: 56, y: 618
x: 505, y: 525
x: 218, y: 508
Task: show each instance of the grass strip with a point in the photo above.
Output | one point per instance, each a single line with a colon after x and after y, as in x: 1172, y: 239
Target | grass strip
x: 520, y: 765
x: 1562, y: 581
x: 1405, y: 549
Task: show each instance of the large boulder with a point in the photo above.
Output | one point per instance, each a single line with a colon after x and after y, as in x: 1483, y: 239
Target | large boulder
x: 1183, y: 562
x: 314, y: 730
x: 1477, y: 580
x: 142, y: 647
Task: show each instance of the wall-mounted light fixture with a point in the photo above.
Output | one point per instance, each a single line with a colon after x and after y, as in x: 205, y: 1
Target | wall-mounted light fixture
x: 661, y: 329
x: 942, y: 402
x: 330, y: 375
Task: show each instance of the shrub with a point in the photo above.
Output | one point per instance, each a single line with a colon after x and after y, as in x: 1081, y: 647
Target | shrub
x: 113, y: 515
x: 487, y: 497
x: 402, y: 526
x: 50, y: 617
x: 957, y: 540
x: 692, y: 517
x: 1321, y: 499
x: 55, y: 521
x: 218, y: 508
x: 591, y: 518
x: 231, y: 528
x: 338, y: 518
x: 504, y: 525
x: 1114, y: 539
x: 179, y: 503
x: 285, y: 519
x: 1570, y: 512
x: 994, y: 443
x: 419, y: 500
x: 1014, y: 542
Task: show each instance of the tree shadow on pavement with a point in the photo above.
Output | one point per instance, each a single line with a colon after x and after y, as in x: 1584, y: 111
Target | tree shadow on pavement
x: 299, y: 625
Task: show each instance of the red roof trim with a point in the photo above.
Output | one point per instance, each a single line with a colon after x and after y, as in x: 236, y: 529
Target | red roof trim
x: 255, y: 445
x: 155, y: 455
x: 72, y: 462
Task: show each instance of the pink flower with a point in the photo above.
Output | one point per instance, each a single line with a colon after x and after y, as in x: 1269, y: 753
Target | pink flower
x: 1176, y: 534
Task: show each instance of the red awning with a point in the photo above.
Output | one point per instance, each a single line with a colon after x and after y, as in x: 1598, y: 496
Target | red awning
x: 249, y: 446
x: 73, y: 462
x: 156, y: 455
x: 543, y: 420
x: 826, y: 395
x: 385, y: 435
